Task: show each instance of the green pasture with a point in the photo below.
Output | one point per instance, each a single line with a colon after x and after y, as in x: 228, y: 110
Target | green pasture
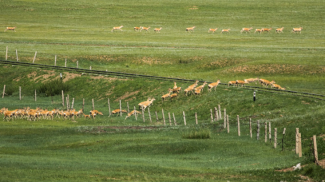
x: 112, y: 148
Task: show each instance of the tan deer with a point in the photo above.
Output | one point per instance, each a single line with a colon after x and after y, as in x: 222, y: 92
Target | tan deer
x: 137, y: 28
x: 167, y: 95
x: 232, y: 83
x: 241, y: 82
x: 278, y: 30
x: 117, y: 28
x: 250, y: 80
x: 247, y: 30
x: 157, y: 29
x: 118, y: 111
x: 145, y: 28
x: 212, y: 30
x: 199, y: 89
x: 191, y: 87
x: 132, y: 113
x: 10, y: 28
x: 213, y: 85
x: 297, y: 29
x: 225, y: 30
x: 190, y: 29
x: 266, y: 29
x: 258, y: 31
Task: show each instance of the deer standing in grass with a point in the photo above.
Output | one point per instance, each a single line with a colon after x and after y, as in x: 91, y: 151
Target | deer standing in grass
x: 213, y: 85
x: 199, y: 89
x: 157, y: 29
x: 250, y: 80
x: 212, y: 30
x: 10, y: 28
x: 148, y: 104
x: 297, y: 29
x: 93, y: 113
x: 191, y: 87
x: 232, y: 83
x: 247, y: 30
x: 137, y: 28
x: 86, y: 116
x: 241, y: 82
x: 258, y: 31
x: 225, y: 30
x: 266, y: 29
x: 117, y: 28
x: 190, y: 29
x: 278, y: 30
x: 145, y: 28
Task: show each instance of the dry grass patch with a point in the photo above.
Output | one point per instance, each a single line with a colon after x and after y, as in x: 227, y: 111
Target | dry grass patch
x: 126, y: 95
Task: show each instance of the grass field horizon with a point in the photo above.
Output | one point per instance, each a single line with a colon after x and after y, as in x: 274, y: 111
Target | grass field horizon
x: 114, y: 148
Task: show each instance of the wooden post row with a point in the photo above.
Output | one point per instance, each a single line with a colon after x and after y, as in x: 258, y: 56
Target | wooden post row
x: 275, y: 137
x: 299, y: 145
x: 216, y: 116
x: 6, y: 53
x: 228, y: 127
x: 156, y: 116
x: 250, y: 128
x: 265, y: 132
x: 297, y: 140
x: 219, y: 109
x: 55, y: 60
x: 121, y: 108
x: 34, y: 57
x: 175, y: 123
x: 211, y: 115
x: 149, y: 115
x: 35, y: 96
x: 135, y: 113
x: 65, y: 62
x: 170, y: 121
x: 270, y: 134
x: 224, y: 118
x: 315, y: 149
x: 196, y: 122
x: 143, y: 115
x: 109, y: 107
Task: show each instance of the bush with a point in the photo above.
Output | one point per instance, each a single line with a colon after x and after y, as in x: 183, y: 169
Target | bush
x: 52, y: 88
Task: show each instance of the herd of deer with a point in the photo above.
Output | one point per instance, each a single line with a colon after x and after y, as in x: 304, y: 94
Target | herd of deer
x: 191, y: 29
x: 35, y: 114
x: 263, y: 82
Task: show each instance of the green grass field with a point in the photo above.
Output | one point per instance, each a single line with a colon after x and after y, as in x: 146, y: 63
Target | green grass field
x: 115, y: 149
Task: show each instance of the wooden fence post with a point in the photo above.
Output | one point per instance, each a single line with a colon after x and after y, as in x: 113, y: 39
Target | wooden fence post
x: 65, y: 62
x: 77, y: 64
x: 149, y: 115
x: 265, y: 131
x: 283, y: 134
x: 135, y: 114
x: 62, y: 99
x: 156, y: 116
x: 68, y: 102
x: 170, y: 121
x: 83, y: 105
x: 175, y: 123
x: 93, y: 103
x: 224, y: 118
x: 17, y: 55
x: 299, y: 145
x: 4, y: 91
x: 35, y: 96
x: 216, y: 115
x: 219, y: 109
x: 297, y: 140
x: 315, y: 149
x: 19, y: 92
x: 184, y: 118
x: 121, y: 108
x: 270, y: 132
x: 72, y: 103
x: 127, y: 105
x: 238, y: 125
x: 211, y: 113
x: 196, y: 122
x: 258, y: 130
x: 162, y: 111
x: 55, y: 60
x: 228, y: 127
x: 143, y: 115
x: 275, y: 137
x: 6, y: 53
x: 90, y: 68
x: 250, y: 128
x: 109, y: 107
x: 34, y: 56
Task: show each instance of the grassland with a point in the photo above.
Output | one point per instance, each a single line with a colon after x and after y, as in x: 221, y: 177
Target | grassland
x: 111, y: 148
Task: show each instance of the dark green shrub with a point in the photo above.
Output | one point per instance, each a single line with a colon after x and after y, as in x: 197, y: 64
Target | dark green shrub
x: 52, y: 88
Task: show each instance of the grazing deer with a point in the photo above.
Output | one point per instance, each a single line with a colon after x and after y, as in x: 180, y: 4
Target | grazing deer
x: 191, y: 87
x: 212, y: 30
x: 148, y: 104
x: 225, y: 30
x: 10, y: 28
x: 247, y: 30
x: 258, y: 31
x: 132, y: 113
x: 266, y: 29
x: 232, y: 83
x: 86, y: 116
x: 93, y: 113
x: 266, y: 82
x: 240, y: 82
x: 145, y: 28
x: 250, y: 80
x: 167, y: 95
x: 141, y: 103
x: 273, y: 85
x: 118, y: 111
x: 117, y: 28
x: 213, y: 85
x: 174, y: 95
x: 297, y: 29
x: 191, y: 29
x: 137, y: 28
x: 157, y: 29
x: 278, y: 30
